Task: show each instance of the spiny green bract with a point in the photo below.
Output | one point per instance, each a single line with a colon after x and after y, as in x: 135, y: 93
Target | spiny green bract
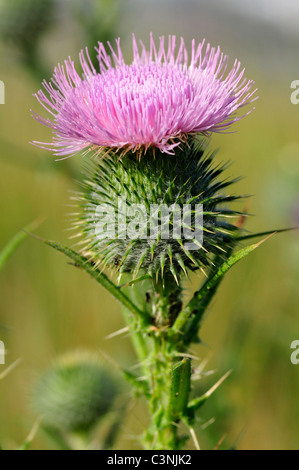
x: 189, y: 177
x: 74, y: 393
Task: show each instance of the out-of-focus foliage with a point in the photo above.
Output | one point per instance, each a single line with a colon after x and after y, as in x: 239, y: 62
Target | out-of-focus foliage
x: 98, y: 19
x: 23, y: 22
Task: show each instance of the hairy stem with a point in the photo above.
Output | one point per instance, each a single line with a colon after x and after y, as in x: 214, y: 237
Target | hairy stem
x: 167, y: 379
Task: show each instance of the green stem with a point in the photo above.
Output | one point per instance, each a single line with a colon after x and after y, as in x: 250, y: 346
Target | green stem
x: 162, y: 433
x: 137, y: 336
x: 168, y: 381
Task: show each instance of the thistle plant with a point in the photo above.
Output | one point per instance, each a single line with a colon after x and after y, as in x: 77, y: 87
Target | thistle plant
x: 154, y: 206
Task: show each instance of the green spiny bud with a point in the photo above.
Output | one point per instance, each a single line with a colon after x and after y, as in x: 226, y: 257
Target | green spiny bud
x: 159, y: 216
x: 74, y: 393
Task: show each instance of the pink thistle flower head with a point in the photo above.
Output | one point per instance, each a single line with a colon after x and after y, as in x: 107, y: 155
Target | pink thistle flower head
x: 157, y: 100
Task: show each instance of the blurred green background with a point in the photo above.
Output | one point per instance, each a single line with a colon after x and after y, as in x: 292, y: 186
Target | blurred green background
x: 47, y: 306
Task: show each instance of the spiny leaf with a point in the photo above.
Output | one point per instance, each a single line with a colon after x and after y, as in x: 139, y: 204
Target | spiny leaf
x: 197, y: 403
x: 13, y: 244
x: 264, y: 234
x: 139, y: 385
x: 100, y: 277
x: 210, y: 286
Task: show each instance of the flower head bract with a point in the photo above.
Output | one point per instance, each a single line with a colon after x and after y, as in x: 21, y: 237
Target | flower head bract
x: 156, y: 101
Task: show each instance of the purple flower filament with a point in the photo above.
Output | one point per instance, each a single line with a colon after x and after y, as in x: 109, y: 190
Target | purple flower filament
x: 155, y: 101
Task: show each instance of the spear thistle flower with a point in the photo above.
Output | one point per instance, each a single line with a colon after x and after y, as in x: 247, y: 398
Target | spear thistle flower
x: 155, y: 220
x: 156, y: 101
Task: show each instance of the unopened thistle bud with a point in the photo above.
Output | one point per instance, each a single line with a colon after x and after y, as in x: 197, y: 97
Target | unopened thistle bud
x: 74, y: 393
x: 159, y: 216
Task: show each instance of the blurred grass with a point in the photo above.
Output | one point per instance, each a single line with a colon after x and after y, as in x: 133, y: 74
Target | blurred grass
x: 48, y: 306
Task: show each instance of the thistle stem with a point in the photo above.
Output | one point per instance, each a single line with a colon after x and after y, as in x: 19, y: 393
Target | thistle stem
x: 157, y: 353
x: 137, y: 337
x: 162, y: 432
